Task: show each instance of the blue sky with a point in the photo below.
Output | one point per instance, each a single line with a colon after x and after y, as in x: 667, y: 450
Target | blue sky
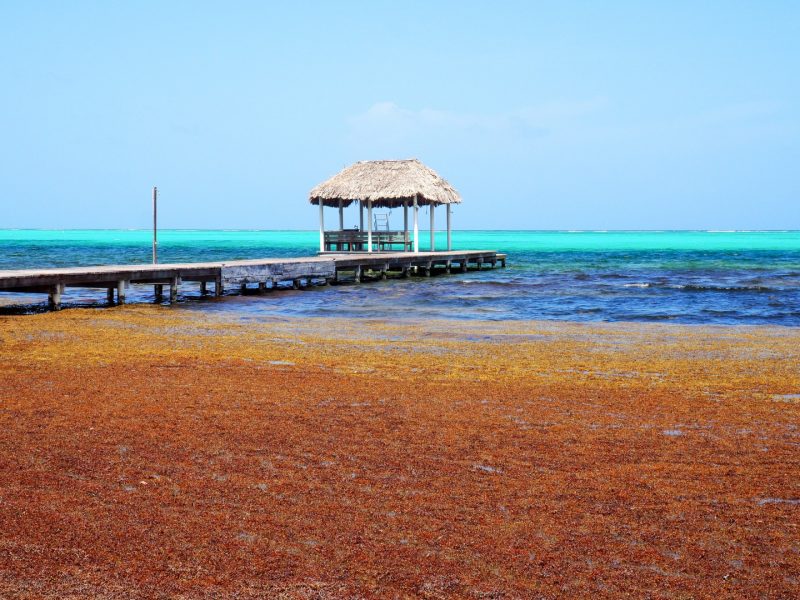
x: 568, y: 115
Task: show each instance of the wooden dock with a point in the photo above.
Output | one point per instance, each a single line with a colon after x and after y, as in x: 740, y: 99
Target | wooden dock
x: 238, y: 275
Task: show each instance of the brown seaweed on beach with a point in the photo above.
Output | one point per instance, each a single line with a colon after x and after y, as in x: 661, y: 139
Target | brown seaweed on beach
x: 147, y: 452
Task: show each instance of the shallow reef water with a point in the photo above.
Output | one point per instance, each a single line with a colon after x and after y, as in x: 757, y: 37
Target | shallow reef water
x: 696, y: 277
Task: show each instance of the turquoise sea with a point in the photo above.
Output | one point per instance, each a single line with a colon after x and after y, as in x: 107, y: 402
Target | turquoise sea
x: 718, y: 277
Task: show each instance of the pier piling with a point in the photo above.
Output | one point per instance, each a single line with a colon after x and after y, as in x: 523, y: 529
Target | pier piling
x: 54, y: 297
x: 173, y: 290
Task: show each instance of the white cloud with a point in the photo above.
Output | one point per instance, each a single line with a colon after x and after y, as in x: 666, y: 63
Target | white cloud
x: 388, y: 121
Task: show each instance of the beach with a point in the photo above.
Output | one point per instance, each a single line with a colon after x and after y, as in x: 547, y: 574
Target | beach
x: 154, y: 452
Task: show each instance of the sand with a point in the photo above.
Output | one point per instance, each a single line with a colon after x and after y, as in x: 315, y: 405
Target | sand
x: 156, y: 452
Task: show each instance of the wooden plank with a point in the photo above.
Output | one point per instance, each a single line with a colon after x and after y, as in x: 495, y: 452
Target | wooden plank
x: 238, y: 274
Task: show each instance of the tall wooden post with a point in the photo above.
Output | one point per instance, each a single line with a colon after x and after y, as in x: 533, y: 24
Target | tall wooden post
x: 341, y: 215
x: 416, y: 223
x: 155, y: 225
x: 360, y: 215
x: 156, y: 289
x: 433, y: 243
x: 405, y: 225
x: 449, y: 229
x: 369, y: 225
x: 321, y: 226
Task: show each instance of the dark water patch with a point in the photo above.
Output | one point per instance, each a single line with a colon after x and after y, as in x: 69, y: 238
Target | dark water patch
x: 724, y: 288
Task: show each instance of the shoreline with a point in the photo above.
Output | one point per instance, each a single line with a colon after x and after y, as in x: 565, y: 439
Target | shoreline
x: 193, y: 306
x: 150, y: 451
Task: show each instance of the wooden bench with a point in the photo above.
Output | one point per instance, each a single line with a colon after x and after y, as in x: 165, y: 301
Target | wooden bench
x: 354, y: 240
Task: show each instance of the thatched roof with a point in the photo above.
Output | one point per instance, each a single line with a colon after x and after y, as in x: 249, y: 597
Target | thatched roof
x: 387, y: 183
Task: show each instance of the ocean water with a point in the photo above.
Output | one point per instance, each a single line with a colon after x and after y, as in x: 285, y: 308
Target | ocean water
x: 670, y: 276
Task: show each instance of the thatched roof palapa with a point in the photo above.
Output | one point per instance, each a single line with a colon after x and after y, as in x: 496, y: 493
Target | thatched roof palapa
x: 387, y: 183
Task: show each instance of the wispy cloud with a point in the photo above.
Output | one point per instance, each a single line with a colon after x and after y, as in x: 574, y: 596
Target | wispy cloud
x: 388, y: 121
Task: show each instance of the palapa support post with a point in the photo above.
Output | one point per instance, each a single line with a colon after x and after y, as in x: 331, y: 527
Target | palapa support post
x: 369, y: 225
x: 321, y: 225
x: 433, y: 231
x: 341, y: 215
x: 405, y: 226
x: 449, y: 230
x: 155, y: 225
x: 173, y: 290
x: 360, y: 215
x: 416, y: 223
x: 54, y: 296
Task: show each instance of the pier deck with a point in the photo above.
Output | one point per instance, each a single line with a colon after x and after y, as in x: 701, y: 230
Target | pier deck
x: 238, y: 274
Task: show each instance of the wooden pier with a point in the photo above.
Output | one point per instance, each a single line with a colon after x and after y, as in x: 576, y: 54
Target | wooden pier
x: 238, y: 275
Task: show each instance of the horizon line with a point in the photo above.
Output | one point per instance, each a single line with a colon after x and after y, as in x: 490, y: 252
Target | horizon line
x: 553, y: 230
